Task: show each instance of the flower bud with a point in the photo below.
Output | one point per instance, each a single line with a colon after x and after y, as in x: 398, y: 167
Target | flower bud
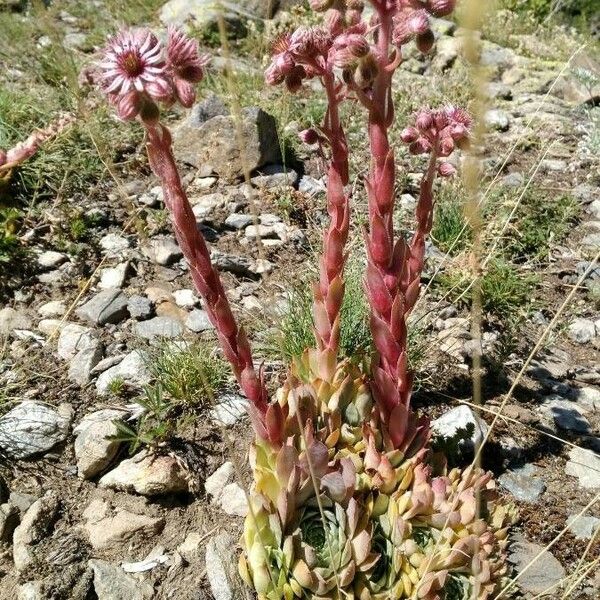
x: 273, y: 75
x: 149, y: 112
x: 425, y: 41
x: 129, y: 106
x: 440, y: 119
x: 334, y: 23
x: 424, y: 120
x: 309, y: 136
x: 421, y: 146
x: 445, y: 169
x: 418, y: 22
x: 458, y: 131
x: 409, y: 135
x: 441, y: 8
x: 366, y: 72
x: 321, y: 5
x: 446, y: 146
x: 401, y: 34
x: 293, y: 80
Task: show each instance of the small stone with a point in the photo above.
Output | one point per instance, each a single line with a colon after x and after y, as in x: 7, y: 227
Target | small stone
x: 233, y: 500
x: 55, y: 308
x: 587, y: 398
x: 513, y: 180
x: 565, y: 415
x: 22, y: 501
x: 9, y: 519
x: 591, y: 240
x: 163, y: 251
x: 498, y: 120
x: 32, y: 590
x: 108, y: 306
x: 522, y: 483
x: 584, y: 465
x: 190, y: 547
x: 50, y: 327
x: 205, y: 207
x: 33, y: 528
x: 229, y: 410
x: 552, y: 363
x: 262, y: 266
x: 114, y: 277
x: 216, y: 482
x: 94, y: 450
x: 147, y: 475
x: 198, y: 321
x: 582, y: 331
x: 583, y: 527
x: 311, y: 186
x: 220, y: 569
x: 132, y: 370
x: 114, y: 243
x: 107, y: 530
x: 238, y: 221
x: 408, y: 202
x: 448, y: 425
x: 275, y: 176
x: 553, y: 165
x: 140, y: 307
x: 112, y: 583
x: 32, y: 428
x: 238, y: 265
x: 161, y: 327
x: 80, y: 368
x: 539, y: 576
x: 51, y: 260
x: 11, y: 320
x: 185, y: 298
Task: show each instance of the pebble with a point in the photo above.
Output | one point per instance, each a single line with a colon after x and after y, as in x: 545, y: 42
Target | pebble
x: 147, y: 475
x: 513, y: 180
x: 198, y: 321
x: 81, y: 365
x: 216, y: 482
x: 582, y: 331
x: 55, y: 308
x: 233, y: 501
x: 565, y: 415
x: 11, y: 319
x: 583, y: 527
x: 131, y: 370
x: 230, y: 409
x: 112, y: 583
x: 163, y: 251
x: 32, y: 428
x: 523, y: 483
x: 185, y: 298
x: 140, y: 307
x: 585, y: 466
x: 238, y: 221
x: 51, y: 259
x: 108, y: 306
x: 158, y: 327
x: 220, y: 566
x: 275, y: 176
x: 458, y: 418
x: 94, y: 450
x: 114, y: 243
x: 114, y: 277
x: 497, y: 120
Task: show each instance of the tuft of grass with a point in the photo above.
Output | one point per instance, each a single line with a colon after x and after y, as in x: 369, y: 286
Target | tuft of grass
x: 505, y: 291
x: 449, y: 233
x: 190, y: 375
x: 116, y: 387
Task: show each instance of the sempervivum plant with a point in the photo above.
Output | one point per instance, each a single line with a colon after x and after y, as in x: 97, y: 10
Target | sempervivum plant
x: 347, y: 500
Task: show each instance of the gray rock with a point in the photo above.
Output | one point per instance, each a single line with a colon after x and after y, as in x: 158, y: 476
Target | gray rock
x: 80, y: 368
x: 215, y: 483
x: 11, y: 319
x: 205, y: 207
x: 582, y: 331
x: 515, y: 179
x: 591, y: 240
x: 132, y: 370
x: 106, y: 529
x: 108, y: 306
x: 584, y: 465
x: 32, y: 428
x: 55, y: 308
x: 229, y: 410
x: 311, y: 186
x: 32, y: 590
x: 9, y: 519
x: 114, y: 244
x: 140, y: 307
x: 238, y: 221
x: 185, y: 298
x: 522, y: 483
x: 583, y: 527
x: 497, y: 120
x: 238, y: 265
x: 275, y: 176
x: 233, y: 500
x: 587, y: 398
x: 112, y: 583
x: 147, y: 475
x: 565, y: 415
x: 114, y: 277
x: 22, y: 501
x: 94, y: 450
x: 51, y: 259
x: 158, y: 327
x: 217, y: 143
x: 552, y: 363
x: 553, y: 165
x: 162, y: 250
x: 540, y: 575
x: 448, y: 425
x: 73, y: 338
x: 33, y: 528
x: 499, y: 90
x: 220, y: 561
x: 198, y: 321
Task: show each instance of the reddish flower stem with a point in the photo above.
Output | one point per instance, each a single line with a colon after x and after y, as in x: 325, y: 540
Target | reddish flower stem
x: 232, y: 338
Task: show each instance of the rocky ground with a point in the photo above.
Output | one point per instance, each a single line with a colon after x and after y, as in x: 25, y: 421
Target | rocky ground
x: 82, y: 322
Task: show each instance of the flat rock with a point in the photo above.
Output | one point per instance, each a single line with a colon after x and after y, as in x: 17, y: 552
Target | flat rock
x: 233, y: 500
x: 111, y: 529
x: 552, y: 363
x: 216, y: 482
x: 140, y: 307
x: 275, y: 176
x: 523, y: 483
x: 114, y: 244
x: 112, y: 583
x: 147, y: 475
x: 54, y: 308
x: 566, y: 415
x: 11, y: 319
x: 158, y: 327
x: 198, y: 321
x: 498, y: 120
x: 73, y: 338
x: 94, y: 450
x: 238, y: 220
x: 32, y: 428
x: 582, y: 331
x: 583, y: 527
x: 448, y: 425
x: 114, y: 277
x: 82, y: 364
x: 51, y: 259
x: 220, y: 561
x: 185, y: 298
x: 585, y: 466
x: 540, y: 575
x: 230, y: 409
x: 108, y: 306
x: 229, y: 149
x: 132, y: 370
x: 33, y: 528
x: 162, y: 250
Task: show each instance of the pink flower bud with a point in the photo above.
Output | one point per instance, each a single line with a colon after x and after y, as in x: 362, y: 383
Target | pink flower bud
x: 409, y: 135
x: 273, y: 75
x: 401, y: 34
x: 446, y: 146
x: 334, y: 23
x: 129, y: 105
x: 425, y: 41
x: 441, y: 8
x: 421, y: 146
x: 458, y: 131
x: 445, y: 169
x: 440, y: 119
x: 185, y: 92
x: 293, y: 80
x: 418, y: 22
x: 424, y: 120
x: 321, y: 5
x: 309, y: 136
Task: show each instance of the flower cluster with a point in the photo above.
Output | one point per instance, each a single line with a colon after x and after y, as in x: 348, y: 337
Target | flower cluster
x: 137, y: 72
x: 413, y: 21
x: 439, y: 132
